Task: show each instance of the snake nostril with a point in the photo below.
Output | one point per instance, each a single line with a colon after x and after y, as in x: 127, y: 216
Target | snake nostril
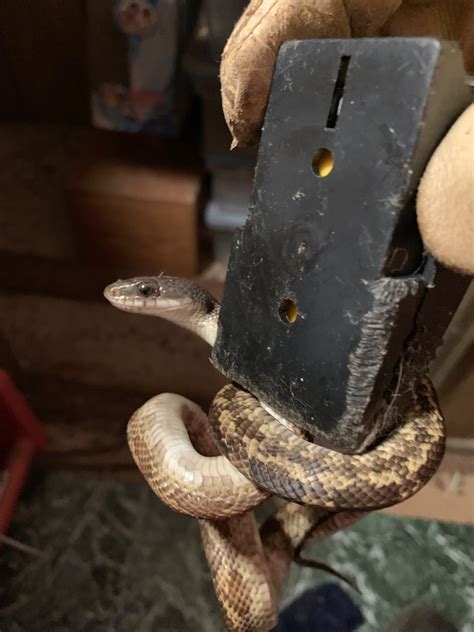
x: 113, y: 292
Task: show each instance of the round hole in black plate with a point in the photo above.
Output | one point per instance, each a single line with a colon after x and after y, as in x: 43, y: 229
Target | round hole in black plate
x: 288, y: 311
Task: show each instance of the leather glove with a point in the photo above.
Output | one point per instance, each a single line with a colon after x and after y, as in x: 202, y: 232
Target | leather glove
x: 446, y: 194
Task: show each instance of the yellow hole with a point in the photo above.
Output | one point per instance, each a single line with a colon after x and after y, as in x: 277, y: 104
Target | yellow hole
x: 323, y: 162
x: 288, y: 311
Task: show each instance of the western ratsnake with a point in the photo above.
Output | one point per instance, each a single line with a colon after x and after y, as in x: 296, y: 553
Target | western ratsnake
x: 220, y: 477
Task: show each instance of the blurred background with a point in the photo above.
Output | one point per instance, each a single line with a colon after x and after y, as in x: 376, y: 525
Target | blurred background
x: 115, y: 161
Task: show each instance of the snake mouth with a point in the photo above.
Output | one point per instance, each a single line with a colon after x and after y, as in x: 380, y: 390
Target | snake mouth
x: 158, y: 305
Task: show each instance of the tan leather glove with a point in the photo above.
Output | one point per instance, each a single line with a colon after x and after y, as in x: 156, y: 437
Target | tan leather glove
x: 446, y: 193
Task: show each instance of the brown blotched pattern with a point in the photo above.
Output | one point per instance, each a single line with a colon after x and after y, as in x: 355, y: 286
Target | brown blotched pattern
x: 240, y: 573
x: 286, y: 465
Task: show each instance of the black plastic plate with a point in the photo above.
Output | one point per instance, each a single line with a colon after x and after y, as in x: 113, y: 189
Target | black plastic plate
x: 327, y: 279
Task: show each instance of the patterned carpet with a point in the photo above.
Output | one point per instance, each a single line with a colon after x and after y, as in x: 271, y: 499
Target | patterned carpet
x: 114, y: 559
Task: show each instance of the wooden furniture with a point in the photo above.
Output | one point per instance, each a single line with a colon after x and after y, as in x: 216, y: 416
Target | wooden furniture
x: 136, y: 206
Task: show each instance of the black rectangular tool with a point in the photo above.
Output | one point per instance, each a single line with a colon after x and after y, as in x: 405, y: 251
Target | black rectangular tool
x: 328, y: 288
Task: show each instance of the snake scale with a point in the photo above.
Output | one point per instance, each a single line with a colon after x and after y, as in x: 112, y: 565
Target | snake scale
x: 218, y: 468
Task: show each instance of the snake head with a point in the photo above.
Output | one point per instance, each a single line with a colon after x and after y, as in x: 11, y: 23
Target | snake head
x: 149, y: 295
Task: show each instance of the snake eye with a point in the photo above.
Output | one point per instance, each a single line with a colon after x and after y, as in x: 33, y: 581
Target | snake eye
x: 144, y: 289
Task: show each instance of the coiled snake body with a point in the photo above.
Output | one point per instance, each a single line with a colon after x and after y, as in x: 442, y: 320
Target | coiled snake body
x: 220, y: 477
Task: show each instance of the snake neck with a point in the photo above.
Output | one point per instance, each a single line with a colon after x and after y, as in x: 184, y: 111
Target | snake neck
x: 207, y: 324
x: 201, y: 316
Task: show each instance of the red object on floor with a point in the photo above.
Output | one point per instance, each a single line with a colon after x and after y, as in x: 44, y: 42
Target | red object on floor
x: 21, y: 437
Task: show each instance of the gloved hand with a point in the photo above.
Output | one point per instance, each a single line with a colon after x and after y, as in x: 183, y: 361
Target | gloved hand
x: 446, y: 194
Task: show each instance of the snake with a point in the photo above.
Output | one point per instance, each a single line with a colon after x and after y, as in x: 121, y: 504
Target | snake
x: 219, y: 467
